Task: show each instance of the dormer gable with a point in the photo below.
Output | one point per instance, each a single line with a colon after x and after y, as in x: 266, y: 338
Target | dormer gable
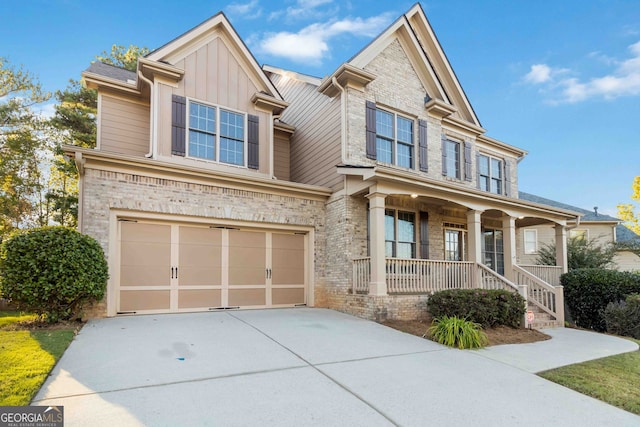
x: 444, y: 95
x: 219, y: 27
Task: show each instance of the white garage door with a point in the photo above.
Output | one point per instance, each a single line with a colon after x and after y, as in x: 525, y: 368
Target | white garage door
x: 168, y: 267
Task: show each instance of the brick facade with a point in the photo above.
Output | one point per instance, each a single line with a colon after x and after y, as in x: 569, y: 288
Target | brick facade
x: 104, y: 191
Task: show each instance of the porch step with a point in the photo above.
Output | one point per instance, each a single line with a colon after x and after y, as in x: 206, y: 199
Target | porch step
x: 543, y: 319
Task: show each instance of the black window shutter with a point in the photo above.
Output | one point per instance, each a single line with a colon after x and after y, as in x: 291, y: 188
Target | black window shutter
x: 424, y: 235
x: 422, y: 145
x: 253, y: 157
x: 478, y: 170
x: 444, y: 155
x: 467, y: 161
x: 371, y: 130
x: 178, y: 125
x: 507, y: 178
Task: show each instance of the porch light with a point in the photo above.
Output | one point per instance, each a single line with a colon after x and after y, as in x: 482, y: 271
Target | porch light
x: 414, y: 196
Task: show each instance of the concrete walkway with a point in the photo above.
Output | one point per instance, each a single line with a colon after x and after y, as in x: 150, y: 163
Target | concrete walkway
x: 301, y: 367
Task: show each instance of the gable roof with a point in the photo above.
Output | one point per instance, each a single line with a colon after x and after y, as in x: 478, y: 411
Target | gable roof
x: 414, y: 28
x: 199, y: 35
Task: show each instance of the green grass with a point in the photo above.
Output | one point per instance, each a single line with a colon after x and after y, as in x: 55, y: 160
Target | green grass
x: 612, y: 379
x: 27, y: 357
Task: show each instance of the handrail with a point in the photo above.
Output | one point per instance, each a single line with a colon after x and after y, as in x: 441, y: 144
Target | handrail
x: 543, y: 295
x: 548, y: 273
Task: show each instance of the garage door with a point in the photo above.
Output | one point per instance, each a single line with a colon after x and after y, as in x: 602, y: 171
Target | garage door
x: 177, y: 267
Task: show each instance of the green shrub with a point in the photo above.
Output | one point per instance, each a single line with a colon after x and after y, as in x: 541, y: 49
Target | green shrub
x: 587, y: 292
x: 52, y: 271
x: 486, y: 307
x: 457, y: 332
x: 623, y: 317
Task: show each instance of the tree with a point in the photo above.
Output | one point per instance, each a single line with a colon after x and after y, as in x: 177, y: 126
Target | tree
x: 74, y: 123
x: 123, y: 57
x: 581, y: 253
x: 21, y: 145
x: 627, y: 211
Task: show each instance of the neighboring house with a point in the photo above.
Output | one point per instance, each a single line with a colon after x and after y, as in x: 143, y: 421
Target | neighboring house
x: 603, y: 229
x: 219, y: 184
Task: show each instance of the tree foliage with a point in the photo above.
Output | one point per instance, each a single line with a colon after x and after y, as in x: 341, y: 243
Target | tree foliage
x: 628, y: 212
x: 581, y: 253
x: 21, y: 145
x: 123, y: 57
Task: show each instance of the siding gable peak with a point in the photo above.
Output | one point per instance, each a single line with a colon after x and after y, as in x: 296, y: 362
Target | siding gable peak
x: 218, y: 26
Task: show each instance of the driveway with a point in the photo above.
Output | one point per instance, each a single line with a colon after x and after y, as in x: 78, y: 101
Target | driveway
x: 297, y: 367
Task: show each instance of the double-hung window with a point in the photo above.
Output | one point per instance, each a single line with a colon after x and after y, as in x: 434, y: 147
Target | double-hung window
x: 490, y: 174
x: 452, y: 159
x: 394, y: 139
x: 530, y: 241
x: 216, y: 134
x: 399, y: 234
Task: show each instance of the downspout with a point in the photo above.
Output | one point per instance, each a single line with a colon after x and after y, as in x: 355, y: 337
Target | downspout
x: 343, y: 119
x: 151, y: 109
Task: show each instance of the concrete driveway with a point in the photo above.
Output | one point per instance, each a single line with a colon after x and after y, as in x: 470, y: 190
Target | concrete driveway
x: 297, y: 367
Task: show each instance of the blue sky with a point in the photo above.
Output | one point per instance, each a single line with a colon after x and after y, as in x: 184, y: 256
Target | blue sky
x: 560, y: 79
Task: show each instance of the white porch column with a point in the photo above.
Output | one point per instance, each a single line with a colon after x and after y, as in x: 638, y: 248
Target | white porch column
x: 378, y: 284
x: 509, y: 239
x: 474, y: 235
x: 562, y: 259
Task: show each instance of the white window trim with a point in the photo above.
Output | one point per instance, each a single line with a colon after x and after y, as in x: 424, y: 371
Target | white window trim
x: 535, y: 242
x: 394, y: 142
x: 463, y: 234
x: 459, y: 175
x: 245, y: 146
x: 502, y: 172
x: 416, y: 226
x: 573, y: 230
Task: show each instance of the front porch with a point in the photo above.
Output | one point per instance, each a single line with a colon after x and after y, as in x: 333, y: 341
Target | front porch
x: 539, y: 285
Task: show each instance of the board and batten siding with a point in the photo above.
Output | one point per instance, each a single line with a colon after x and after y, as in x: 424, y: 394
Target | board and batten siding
x: 124, y: 126
x: 316, y: 144
x: 214, y: 74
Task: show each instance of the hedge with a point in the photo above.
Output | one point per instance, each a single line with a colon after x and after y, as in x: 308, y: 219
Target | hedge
x: 588, y: 291
x: 486, y: 307
x: 52, y: 271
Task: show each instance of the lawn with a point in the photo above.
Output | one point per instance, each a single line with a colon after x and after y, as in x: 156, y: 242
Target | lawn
x: 612, y: 379
x: 27, y: 355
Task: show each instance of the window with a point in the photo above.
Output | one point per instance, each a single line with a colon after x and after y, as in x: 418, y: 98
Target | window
x: 454, y: 246
x: 216, y: 134
x: 530, y: 241
x: 580, y: 233
x: 493, y: 250
x: 394, y: 139
x: 490, y: 174
x: 452, y: 158
x: 399, y: 234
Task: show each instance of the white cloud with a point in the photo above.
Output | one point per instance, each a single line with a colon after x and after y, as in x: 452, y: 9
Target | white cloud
x: 539, y: 73
x: 46, y: 111
x: 247, y: 10
x: 312, y: 42
x: 624, y: 80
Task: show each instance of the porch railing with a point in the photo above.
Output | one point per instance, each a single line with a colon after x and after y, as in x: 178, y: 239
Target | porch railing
x: 548, y: 298
x: 420, y: 276
x: 549, y: 273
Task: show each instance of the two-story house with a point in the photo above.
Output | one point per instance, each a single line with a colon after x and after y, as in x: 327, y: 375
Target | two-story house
x: 218, y: 184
